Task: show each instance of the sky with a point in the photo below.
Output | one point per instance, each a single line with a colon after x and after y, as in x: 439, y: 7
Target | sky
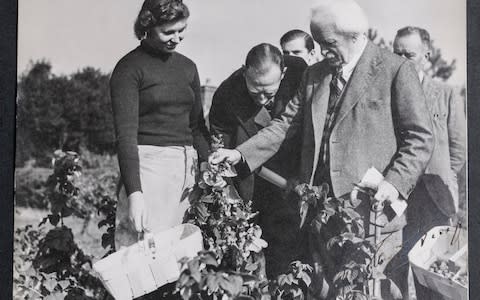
x: 75, y: 34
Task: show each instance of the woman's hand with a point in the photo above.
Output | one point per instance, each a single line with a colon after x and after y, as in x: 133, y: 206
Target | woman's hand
x: 137, y: 212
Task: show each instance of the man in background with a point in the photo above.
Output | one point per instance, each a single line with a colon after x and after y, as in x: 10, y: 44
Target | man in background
x: 435, y: 198
x: 362, y: 106
x: 243, y: 104
x: 299, y: 43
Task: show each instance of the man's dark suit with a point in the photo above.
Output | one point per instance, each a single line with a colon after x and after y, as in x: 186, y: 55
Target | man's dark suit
x: 381, y: 123
x: 236, y: 116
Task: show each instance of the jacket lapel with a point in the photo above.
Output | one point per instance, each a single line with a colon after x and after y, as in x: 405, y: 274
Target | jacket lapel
x: 359, y: 81
x: 320, y: 95
x: 262, y: 118
x: 281, y: 98
x: 247, y: 123
x: 244, y: 110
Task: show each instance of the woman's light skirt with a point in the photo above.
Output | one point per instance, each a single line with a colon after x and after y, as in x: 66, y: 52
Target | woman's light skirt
x: 167, y: 176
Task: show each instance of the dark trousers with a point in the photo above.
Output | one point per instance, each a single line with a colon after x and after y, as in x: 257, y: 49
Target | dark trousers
x: 278, y: 217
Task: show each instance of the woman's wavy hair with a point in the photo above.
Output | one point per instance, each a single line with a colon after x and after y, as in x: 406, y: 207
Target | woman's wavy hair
x: 158, y: 12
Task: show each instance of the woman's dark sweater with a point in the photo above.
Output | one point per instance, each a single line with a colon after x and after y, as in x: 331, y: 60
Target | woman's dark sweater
x: 156, y: 101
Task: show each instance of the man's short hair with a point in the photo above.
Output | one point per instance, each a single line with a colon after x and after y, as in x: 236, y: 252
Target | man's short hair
x: 346, y: 16
x: 298, y: 34
x: 422, y: 33
x: 261, y: 56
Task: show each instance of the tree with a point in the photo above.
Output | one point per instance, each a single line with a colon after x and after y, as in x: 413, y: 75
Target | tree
x: 59, y: 111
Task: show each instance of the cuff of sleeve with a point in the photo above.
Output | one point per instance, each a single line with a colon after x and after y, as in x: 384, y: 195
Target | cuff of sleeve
x: 404, y: 189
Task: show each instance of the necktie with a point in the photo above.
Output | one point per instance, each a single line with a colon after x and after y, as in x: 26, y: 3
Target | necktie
x: 336, y: 87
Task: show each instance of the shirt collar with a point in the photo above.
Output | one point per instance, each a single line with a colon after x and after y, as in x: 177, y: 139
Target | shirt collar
x: 347, y: 69
x: 421, y: 76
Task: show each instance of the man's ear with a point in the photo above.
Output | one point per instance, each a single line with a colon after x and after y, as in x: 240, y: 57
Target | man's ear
x: 428, y: 53
x: 355, y: 37
x: 243, y: 69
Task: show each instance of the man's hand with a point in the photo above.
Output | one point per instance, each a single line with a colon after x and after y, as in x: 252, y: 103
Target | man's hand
x: 228, y: 155
x: 137, y: 212
x: 386, y: 192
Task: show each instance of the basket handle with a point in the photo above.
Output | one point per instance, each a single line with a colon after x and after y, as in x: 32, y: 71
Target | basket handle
x: 147, y: 242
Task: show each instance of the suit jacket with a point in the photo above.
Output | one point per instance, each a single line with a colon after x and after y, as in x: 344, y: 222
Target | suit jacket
x: 236, y: 116
x: 449, y: 129
x: 381, y: 123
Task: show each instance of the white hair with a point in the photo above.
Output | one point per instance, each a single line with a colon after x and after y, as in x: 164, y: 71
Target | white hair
x: 346, y: 16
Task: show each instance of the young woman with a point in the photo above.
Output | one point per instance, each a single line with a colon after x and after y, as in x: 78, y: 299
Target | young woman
x: 159, y: 123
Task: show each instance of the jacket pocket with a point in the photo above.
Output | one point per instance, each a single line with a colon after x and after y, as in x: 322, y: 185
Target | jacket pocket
x: 373, y: 104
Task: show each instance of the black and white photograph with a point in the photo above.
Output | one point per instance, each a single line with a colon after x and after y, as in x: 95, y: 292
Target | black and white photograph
x: 254, y: 149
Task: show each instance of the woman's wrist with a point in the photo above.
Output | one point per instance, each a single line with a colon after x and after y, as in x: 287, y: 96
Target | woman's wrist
x: 136, y: 195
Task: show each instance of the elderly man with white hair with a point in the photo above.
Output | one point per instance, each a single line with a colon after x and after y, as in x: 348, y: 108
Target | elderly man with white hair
x: 362, y: 106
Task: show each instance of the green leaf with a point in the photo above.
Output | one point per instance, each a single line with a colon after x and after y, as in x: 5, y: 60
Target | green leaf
x: 249, y: 278
x: 186, y: 293
x: 339, y: 276
x: 216, y: 233
x: 201, y: 212
x: 107, y: 240
x: 55, y: 296
x: 212, y: 283
x: 64, y: 284
x: 331, y: 242
x: 237, y: 282
x: 251, y: 267
x: 60, y: 239
x: 297, y: 292
x: 282, y: 279
x: 348, y: 276
x: 54, y: 219
x: 290, y: 279
x: 232, y: 194
x: 209, y: 259
x: 50, y: 284
x: 208, y: 199
x: 231, y: 284
x: 306, y: 278
x: 194, y: 268
x: 355, y: 274
x: 182, y: 280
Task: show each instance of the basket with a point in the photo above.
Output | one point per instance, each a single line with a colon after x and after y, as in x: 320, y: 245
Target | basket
x: 441, y: 242
x: 148, y: 264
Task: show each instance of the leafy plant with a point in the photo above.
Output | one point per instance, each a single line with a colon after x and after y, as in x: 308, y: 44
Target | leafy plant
x: 292, y: 284
x: 233, y: 265
x: 352, y: 256
x: 52, y: 265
